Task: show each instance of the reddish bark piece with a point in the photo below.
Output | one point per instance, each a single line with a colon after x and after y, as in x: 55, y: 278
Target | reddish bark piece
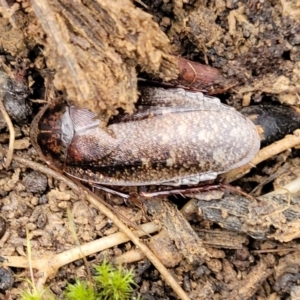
x: 194, y: 75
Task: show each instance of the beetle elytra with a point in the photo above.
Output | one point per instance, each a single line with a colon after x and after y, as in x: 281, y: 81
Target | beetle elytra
x: 192, y: 141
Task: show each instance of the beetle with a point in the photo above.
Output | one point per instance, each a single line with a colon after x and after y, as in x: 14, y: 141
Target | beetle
x: 175, y: 137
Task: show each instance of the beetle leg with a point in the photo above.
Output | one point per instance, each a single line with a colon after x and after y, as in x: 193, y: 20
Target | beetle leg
x: 180, y: 191
x: 197, y: 189
x: 111, y: 191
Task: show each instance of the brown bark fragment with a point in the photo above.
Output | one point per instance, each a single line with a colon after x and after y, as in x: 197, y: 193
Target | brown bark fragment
x: 95, y: 46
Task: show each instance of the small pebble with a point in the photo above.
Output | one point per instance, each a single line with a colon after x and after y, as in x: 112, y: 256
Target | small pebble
x: 35, y: 182
x: 6, y: 279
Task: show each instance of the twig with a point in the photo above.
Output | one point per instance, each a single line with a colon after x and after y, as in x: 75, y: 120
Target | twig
x: 10, y: 151
x: 129, y: 257
x: 142, y: 3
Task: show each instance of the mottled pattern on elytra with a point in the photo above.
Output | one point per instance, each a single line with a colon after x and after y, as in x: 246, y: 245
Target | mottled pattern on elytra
x: 170, y: 145
x: 176, y: 97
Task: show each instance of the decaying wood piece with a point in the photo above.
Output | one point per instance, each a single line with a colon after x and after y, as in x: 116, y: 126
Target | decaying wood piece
x: 266, y: 217
x: 222, y: 239
x: 178, y: 228
x: 94, y: 46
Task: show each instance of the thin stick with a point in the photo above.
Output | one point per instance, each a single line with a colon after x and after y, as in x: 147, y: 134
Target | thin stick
x: 94, y: 200
x: 10, y: 151
x: 196, y: 189
x: 195, y: 73
x: 142, y: 3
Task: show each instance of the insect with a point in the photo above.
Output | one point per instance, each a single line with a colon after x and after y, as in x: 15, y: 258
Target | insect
x: 183, y: 139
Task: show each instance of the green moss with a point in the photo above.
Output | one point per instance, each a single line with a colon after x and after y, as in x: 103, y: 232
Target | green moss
x: 114, y: 283
x: 110, y: 283
x: 32, y: 293
x: 81, y: 290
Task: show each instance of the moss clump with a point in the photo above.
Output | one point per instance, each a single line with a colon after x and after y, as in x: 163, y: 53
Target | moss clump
x: 110, y: 284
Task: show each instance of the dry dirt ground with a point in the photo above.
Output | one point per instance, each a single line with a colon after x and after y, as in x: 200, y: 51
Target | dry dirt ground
x: 216, y: 245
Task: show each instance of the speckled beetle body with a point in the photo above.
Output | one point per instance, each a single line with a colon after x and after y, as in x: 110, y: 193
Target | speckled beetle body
x: 194, y: 140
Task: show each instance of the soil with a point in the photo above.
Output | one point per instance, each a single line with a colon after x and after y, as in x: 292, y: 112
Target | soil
x: 218, y: 244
